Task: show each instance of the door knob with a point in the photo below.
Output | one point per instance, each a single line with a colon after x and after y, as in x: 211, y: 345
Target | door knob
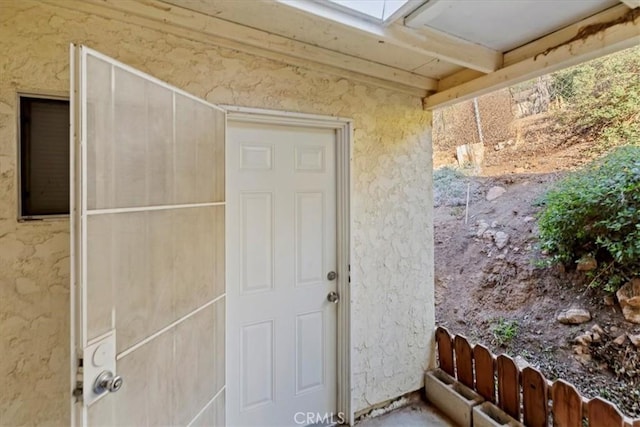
x: 107, y: 382
x: 333, y: 297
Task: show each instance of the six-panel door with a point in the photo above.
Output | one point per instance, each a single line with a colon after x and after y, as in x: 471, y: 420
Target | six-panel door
x: 281, y: 227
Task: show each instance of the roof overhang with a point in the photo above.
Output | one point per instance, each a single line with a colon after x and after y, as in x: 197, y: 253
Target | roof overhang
x: 444, y: 51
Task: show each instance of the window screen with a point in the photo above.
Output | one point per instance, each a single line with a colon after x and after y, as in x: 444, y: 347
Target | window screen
x: 44, y: 156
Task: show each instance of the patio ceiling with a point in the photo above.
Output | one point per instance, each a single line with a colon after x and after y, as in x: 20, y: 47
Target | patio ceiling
x: 443, y: 50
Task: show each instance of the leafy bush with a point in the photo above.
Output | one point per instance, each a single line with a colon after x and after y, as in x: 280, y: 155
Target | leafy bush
x: 596, y: 212
x: 601, y: 98
x: 449, y: 187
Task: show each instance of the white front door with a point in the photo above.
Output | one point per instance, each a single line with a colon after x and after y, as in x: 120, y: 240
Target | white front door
x: 148, y: 250
x: 281, y: 231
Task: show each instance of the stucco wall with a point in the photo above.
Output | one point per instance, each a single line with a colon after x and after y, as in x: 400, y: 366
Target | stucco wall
x: 391, y: 203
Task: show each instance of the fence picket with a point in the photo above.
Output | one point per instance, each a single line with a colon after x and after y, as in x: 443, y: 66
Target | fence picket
x: 464, y: 360
x: 485, y: 373
x: 508, y: 386
x: 445, y: 350
x: 458, y: 358
x: 603, y: 414
x: 535, y: 405
x: 567, y: 405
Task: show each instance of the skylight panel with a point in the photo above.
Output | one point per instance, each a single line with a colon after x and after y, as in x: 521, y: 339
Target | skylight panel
x: 380, y: 10
x: 391, y: 7
x: 373, y: 8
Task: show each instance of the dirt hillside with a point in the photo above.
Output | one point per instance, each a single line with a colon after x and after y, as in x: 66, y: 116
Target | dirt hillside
x: 492, y: 285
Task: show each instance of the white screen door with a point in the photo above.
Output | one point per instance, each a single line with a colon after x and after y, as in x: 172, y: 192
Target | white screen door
x: 281, y: 228
x: 148, y: 249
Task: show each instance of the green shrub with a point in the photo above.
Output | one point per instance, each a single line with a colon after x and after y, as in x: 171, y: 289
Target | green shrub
x: 596, y: 212
x: 504, y: 331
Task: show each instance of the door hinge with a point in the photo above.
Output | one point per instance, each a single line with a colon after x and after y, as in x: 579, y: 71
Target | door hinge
x: 77, y: 392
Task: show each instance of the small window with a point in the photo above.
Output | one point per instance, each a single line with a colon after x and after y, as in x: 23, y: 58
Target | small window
x: 44, y: 157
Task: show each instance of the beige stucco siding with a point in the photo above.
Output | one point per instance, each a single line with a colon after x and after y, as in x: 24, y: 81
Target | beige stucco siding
x: 392, y: 265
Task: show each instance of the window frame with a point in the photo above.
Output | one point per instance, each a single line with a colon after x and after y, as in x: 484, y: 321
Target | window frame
x: 44, y: 95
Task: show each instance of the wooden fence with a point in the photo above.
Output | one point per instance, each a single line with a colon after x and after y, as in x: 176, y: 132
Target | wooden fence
x: 525, y: 395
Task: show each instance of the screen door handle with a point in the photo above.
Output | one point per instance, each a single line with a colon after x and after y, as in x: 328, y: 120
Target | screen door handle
x: 106, y: 381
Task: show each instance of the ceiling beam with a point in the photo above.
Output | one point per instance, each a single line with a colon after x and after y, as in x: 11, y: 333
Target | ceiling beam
x: 203, y: 28
x: 422, y: 41
x: 608, y: 40
x: 445, y: 47
x: 562, y: 35
x: 458, y: 78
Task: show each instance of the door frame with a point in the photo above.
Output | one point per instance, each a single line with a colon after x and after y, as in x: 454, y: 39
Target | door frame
x: 344, y: 136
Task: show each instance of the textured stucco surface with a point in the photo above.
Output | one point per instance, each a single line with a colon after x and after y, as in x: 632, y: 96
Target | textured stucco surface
x: 392, y: 261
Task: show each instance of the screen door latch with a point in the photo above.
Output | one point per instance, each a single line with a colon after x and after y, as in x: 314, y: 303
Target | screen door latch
x: 99, y: 375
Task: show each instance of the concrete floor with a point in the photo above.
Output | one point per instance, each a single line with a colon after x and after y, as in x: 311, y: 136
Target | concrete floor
x: 415, y: 414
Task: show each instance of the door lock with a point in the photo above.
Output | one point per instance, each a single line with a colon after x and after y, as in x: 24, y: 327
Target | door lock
x: 332, y: 275
x: 333, y: 297
x: 107, y: 382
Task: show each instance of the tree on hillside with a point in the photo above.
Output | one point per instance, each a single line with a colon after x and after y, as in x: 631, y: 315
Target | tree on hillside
x: 601, y: 99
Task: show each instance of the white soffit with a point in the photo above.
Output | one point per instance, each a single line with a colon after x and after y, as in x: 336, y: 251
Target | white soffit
x: 282, y: 19
x: 503, y: 24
